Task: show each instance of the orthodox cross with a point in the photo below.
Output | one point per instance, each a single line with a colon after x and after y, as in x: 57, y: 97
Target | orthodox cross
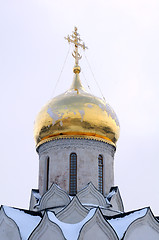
x: 75, y: 39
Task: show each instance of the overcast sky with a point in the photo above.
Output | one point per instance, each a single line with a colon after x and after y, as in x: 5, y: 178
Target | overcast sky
x: 123, y: 41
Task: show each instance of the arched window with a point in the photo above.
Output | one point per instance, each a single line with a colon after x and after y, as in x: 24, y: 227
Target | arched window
x: 47, y: 163
x: 73, y: 174
x: 100, y: 173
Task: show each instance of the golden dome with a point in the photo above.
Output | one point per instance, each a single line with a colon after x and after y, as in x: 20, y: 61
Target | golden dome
x: 76, y: 114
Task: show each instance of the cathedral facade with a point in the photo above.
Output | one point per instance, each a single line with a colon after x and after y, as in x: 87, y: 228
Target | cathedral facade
x: 76, y: 135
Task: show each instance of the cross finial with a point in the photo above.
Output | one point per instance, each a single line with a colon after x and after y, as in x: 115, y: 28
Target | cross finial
x: 75, y: 39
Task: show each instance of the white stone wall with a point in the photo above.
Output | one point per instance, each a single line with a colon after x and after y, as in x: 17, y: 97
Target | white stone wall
x: 87, y: 163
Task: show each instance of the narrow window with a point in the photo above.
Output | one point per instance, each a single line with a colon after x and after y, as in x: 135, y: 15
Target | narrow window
x: 100, y: 173
x: 47, y: 173
x: 73, y: 174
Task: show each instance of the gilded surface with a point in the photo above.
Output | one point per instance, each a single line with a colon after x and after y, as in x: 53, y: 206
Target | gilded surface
x: 79, y: 114
x: 76, y: 113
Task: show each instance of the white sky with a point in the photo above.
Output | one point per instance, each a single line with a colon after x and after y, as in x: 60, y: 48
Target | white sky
x: 123, y: 41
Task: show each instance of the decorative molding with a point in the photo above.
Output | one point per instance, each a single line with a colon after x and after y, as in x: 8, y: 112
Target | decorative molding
x: 97, y: 228
x: 8, y: 228
x: 74, y: 212
x: 90, y: 195
x: 54, y: 197
x: 47, y: 230
x: 79, y: 143
x: 149, y: 221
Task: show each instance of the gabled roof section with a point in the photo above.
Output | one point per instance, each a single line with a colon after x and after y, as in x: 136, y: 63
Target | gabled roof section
x: 97, y: 228
x: 124, y: 220
x: 47, y: 230
x: 8, y: 228
x: 91, y: 196
x: 54, y: 197
x: 24, y: 219
x: 74, y: 212
x: 71, y: 231
x: 146, y: 227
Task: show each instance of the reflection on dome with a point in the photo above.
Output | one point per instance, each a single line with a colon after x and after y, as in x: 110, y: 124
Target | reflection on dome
x: 76, y: 114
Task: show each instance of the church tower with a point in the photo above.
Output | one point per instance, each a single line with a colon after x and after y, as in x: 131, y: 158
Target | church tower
x: 76, y: 135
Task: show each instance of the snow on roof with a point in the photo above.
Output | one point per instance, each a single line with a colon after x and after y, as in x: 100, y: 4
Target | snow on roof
x: 25, y: 221
x: 36, y: 194
x: 28, y: 220
x: 120, y: 224
x: 110, y: 194
x: 71, y: 231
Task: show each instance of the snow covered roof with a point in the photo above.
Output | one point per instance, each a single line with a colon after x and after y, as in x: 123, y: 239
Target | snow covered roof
x: 24, y: 219
x: 28, y: 221
x: 121, y: 222
x: 58, y: 215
